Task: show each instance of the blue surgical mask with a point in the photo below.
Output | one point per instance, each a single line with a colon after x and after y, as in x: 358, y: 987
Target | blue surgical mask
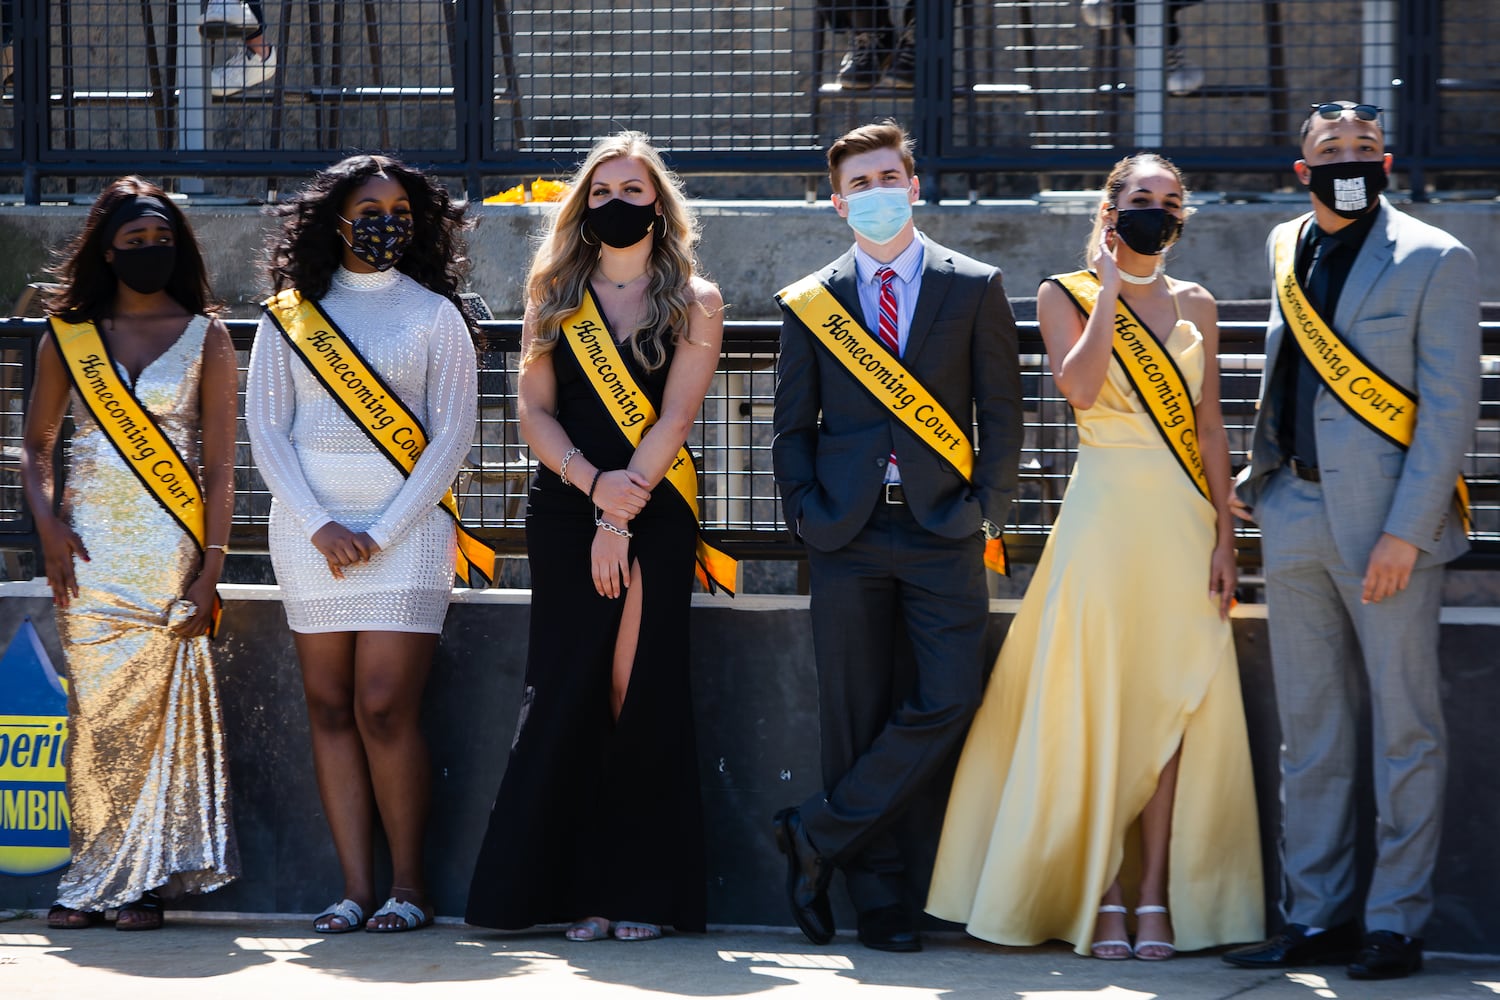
x: 879, y: 214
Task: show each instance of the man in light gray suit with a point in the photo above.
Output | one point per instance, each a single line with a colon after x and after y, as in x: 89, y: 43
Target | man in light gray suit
x: 1353, y: 485
x: 888, y: 357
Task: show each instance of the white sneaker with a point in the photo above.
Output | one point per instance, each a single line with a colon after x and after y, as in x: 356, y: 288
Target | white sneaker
x: 221, y: 17
x: 1182, y: 76
x: 1097, y: 13
x: 244, y: 70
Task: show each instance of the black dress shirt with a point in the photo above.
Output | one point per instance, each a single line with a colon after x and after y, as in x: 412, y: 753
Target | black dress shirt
x: 1323, y: 263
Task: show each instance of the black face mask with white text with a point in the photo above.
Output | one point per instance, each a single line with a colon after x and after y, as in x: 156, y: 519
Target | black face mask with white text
x: 1348, y: 189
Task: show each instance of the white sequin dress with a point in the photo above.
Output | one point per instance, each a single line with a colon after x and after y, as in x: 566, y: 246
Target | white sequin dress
x: 321, y: 467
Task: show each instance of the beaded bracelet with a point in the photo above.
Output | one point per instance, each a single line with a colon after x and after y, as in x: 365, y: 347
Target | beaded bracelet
x: 595, y: 483
x: 600, y: 522
x: 562, y: 472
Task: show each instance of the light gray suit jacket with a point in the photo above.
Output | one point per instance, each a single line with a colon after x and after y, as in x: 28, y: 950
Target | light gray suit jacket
x: 832, y: 438
x: 1411, y: 308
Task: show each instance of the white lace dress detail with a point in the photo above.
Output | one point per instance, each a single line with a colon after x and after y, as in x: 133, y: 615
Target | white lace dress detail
x: 321, y: 467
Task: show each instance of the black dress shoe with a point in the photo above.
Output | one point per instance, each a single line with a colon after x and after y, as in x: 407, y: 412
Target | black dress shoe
x: 888, y: 928
x: 1292, y: 945
x: 807, y: 877
x: 1387, y: 955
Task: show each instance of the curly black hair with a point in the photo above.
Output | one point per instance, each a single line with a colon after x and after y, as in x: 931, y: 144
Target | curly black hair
x: 308, y: 249
x: 88, y: 283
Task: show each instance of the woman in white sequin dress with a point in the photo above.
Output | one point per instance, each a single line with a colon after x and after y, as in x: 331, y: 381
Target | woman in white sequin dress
x: 147, y: 769
x: 362, y: 552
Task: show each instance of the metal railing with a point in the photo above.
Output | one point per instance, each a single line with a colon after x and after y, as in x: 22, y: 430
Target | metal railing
x: 485, y: 90
x: 732, y: 441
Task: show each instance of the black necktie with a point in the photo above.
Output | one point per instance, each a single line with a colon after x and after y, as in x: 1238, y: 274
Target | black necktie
x: 1318, y: 272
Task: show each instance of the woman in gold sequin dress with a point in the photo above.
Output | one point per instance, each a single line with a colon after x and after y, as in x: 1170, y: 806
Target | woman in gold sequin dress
x: 147, y: 772
x: 1115, y: 704
x: 363, y: 554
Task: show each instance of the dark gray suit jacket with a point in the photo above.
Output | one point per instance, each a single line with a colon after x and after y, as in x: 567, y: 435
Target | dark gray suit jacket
x: 1411, y: 308
x: 833, y: 438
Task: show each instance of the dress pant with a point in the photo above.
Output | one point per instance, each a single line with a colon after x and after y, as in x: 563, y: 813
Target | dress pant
x: 1321, y: 636
x: 895, y: 593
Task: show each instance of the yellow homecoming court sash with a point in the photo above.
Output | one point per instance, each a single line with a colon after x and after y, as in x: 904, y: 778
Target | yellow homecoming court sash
x: 1152, y: 372
x: 146, y: 451
x: 594, y: 348
x: 883, y: 376
x: 1379, y: 403
x: 373, y: 406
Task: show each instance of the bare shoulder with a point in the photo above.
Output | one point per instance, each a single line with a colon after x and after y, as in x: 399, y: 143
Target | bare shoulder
x: 707, y: 295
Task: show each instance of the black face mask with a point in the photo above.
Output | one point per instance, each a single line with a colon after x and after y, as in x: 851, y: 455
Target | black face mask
x: 1147, y: 231
x: 145, y: 269
x: 618, y: 223
x: 1348, y: 189
x: 379, y: 240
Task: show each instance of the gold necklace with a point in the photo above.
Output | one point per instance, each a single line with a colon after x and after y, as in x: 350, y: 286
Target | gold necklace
x: 623, y: 284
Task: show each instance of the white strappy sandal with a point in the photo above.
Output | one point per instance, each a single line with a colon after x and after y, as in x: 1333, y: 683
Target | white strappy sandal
x: 1112, y: 943
x: 1168, y: 947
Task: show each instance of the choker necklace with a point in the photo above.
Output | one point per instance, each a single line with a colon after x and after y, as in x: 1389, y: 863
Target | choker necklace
x: 622, y: 284
x: 1136, y: 279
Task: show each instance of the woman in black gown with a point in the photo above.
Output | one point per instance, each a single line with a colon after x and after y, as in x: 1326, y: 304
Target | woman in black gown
x: 598, y: 819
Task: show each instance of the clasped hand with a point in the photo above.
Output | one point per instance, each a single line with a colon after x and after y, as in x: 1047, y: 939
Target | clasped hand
x: 342, y: 547
x: 622, y: 494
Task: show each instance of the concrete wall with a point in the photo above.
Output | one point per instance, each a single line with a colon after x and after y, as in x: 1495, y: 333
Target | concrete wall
x: 752, y: 249
x: 756, y: 716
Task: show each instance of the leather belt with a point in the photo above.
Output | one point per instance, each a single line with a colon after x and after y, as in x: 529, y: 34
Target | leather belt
x: 894, y: 493
x: 1304, y: 471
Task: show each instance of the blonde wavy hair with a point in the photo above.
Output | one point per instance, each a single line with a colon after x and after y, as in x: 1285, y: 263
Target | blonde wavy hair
x: 1119, y: 174
x: 563, y: 262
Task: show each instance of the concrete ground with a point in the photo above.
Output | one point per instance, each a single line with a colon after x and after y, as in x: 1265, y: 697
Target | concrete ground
x: 227, y: 959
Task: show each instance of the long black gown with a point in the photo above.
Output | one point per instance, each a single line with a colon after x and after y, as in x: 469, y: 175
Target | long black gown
x: 598, y: 817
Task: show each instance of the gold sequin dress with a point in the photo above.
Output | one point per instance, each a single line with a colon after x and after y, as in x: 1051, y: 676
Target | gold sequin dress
x: 148, y: 781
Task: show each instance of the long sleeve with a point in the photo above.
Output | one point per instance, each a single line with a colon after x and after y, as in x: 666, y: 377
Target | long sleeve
x: 270, y: 408
x: 452, y: 399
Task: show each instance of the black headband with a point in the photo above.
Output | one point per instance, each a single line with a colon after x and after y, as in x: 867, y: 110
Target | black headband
x: 136, y: 206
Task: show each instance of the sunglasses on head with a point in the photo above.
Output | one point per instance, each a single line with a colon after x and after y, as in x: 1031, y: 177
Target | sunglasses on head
x: 1333, y: 111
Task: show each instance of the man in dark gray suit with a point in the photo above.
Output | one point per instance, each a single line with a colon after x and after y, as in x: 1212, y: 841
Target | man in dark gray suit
x: 1353, y: 485
x: 888, y: 356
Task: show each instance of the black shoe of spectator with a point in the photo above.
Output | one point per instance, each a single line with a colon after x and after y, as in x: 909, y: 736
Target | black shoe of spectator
x: 902, y: 72
x: 863, y: 63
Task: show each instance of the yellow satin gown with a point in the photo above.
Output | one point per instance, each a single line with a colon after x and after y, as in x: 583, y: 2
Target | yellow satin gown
x: 1116, y: 656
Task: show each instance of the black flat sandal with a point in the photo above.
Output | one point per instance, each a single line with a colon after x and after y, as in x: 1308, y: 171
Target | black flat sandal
x: 65, y: 918
x: 146, y: 914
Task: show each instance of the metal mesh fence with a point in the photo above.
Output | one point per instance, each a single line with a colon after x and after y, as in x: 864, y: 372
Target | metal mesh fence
x: 501, y: 88
x: 213, y: 76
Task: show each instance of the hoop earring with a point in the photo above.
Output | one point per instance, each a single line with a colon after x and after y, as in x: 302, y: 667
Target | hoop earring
x: 659, y: 228
x: 583, y: 234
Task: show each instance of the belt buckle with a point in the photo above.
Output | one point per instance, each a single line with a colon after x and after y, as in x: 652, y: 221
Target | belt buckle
x: 894, y: 494
x: 1304, y: 472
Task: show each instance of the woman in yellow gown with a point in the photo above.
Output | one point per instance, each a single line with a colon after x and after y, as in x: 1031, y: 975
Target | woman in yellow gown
x: 1112, y: 735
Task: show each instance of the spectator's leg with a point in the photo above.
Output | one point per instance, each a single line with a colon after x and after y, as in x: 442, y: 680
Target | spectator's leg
x: 1182, y: 76
x: 902, y: 71
x: 7, y: 31
x: 249, y: 65
x: 870, y: 38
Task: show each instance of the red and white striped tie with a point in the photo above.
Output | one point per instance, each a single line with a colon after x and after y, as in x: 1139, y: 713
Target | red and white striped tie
x: 890, y: 330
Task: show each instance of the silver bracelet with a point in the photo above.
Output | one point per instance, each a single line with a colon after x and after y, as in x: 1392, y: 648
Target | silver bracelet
x: 600, y: 522
x: 562, y: 472
x: 222, y: 548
